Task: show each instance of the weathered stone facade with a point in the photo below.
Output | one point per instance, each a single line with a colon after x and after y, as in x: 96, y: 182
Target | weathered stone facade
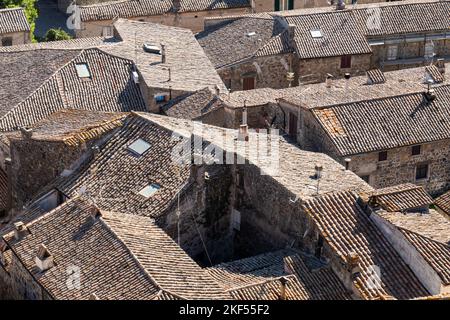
x: 15, y: 38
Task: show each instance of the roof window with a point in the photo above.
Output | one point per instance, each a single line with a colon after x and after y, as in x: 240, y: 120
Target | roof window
x: 316, y: 33
x: 139, y: 147
x: 83, y: 70
x: 150, y: 190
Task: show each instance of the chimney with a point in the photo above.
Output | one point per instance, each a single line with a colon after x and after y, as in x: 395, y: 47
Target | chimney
x: 440, y: 64
x: 176, y: 5
x: 328, y: 80
x: 93, y: 296
x: 44, y: 259
x: 243, y: 133
x: 26, y: 132
x: 283, y: 281
x: 163, y: 53
x: 94, y: 212
x: 353, y: 264
x: 347, y: 81
x: 430, y: 95
x: 20, y: 230
x: 95, y: 151
x: 347, y: 163
x: 291, y: 34
x: 340, y: 5
x: 318, y: 169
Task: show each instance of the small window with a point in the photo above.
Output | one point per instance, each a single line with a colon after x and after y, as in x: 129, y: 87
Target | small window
x: 316, y: 33
x: 416, y: 150
x: 421, y: 171
x: 382, y: 156
x: 150, y: 190
x: 366, y: 178
x: 7, y: 41
x: 392, y: 52
x: 83, y: 70
x: 139, y: 147
x: 346, y: 62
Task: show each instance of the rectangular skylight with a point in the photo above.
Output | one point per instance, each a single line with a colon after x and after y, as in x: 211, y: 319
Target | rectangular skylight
x: 316, y: 33
x: 150, y: 190
x: 139, y: 147
x: 250, y: 34
x: 83, y: 70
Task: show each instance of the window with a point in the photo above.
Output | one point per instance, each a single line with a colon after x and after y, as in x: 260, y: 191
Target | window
x: 150, y: 190
x: 382, y: 156
x: 421, y: 171
x: 248, y: 83
x: 316, y: 33
x: 139, y: 147
x: 7, y: 41
x: 107, y: 31
x: 83, y: 70
x: 429, y: 49
x: 346, y: 62
x: 392, y: 52
x: 161, y: 97
x: 416, y: 150
x: 366, y: 178
x: 283, y: 5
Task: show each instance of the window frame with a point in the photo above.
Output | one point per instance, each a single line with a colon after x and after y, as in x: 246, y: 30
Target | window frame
x: 384, y: 157
x: 427, y: 174
x: 414, y: 150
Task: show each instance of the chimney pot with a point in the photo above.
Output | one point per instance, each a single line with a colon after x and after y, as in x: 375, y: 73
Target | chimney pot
x: 163, y: 53
x: 20, y: 230
x: 27, y: 133
x: 347, y: 163
x: 328, y: 80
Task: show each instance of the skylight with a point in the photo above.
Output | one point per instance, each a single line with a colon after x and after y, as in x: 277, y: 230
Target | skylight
x: 250, y: 34
x: 316, y: 33
x: 139, y: 147
x: 83, y: 70
x: 150, y: 190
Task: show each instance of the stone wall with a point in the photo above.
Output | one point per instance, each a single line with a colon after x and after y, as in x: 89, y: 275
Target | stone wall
x: 188, y: 20
x: 17, y: 37
x: 269, y: 72
x: 316, y: 70
x: 412, y: 52
x: 400, y: 167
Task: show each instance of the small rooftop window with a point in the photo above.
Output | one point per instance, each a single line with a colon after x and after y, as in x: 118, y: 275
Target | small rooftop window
x: 83, y: 70
x: 316, y: 33
x: 139, y: 147
x: 150, y: 190
x: 151, y: 48
x: 250, y: 34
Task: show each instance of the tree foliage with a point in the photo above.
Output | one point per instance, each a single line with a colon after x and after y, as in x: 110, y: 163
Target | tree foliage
x: 56, y: 34
x: 29, y: 6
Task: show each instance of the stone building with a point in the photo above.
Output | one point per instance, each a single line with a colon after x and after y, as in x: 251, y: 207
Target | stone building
x: 392, y: 130
x: 14, y: 27
x: 97, y: 19
x: 325, y: 42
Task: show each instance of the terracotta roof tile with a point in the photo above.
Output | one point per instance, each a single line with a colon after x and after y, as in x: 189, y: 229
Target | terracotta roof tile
x: 13, y: 20
x: 401, y: 197
x: 443, y: 202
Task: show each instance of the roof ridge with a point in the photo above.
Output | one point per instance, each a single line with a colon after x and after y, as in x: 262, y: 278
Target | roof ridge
x: 410, y: 187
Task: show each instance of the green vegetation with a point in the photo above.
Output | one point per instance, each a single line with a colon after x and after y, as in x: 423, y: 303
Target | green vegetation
x: 30, y: 10
x: 56, y: 34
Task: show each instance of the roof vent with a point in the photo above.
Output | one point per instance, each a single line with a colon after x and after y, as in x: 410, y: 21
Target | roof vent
x: 44, y: 259
x: 151, y: 48
x: 20, y: 230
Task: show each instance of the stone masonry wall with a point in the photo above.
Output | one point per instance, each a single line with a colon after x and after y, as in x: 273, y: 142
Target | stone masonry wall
x: 17, y: 38
x: 316, y: 70
x: 272, y: 72
x: 400, y: 167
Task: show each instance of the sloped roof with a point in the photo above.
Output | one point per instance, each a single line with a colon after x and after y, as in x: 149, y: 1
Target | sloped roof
x: 233, y: 41
x: 259, y: 277
x: 13, y: 20
x: 443, y: 202
x: 401, y: 197
x: 140, y: 8
x: 437, y: 254
x: 340, y: 35
x: 119, y: 256
x: 66, y: 90
x: 395, y: 121
x: 347, y: 229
